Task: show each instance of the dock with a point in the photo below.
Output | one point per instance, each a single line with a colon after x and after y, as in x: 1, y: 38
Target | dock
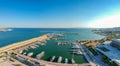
x: 24, y: 43
x: 65, y: 43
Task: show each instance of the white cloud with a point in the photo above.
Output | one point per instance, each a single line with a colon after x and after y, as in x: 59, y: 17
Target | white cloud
x: 106, y: 22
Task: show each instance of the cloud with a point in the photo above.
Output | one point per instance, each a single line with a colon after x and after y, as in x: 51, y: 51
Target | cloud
x: 106, y: 22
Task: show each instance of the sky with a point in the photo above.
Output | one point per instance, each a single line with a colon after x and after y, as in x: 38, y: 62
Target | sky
x: 60, y: 13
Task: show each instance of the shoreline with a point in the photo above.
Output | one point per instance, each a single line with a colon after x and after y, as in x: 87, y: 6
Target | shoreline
x: 23, y: 43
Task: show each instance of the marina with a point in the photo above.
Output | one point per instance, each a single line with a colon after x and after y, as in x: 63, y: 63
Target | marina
x: 47, y: 49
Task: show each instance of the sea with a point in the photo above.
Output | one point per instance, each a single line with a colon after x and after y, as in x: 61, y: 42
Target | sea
x: 50, y: 48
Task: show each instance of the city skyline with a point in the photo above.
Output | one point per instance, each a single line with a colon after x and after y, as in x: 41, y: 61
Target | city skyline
x: 60, y: 13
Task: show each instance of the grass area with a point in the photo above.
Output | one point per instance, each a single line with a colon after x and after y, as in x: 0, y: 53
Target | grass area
x: 13, y: 54
x: 93, y: 51
x: 11, y: 59
x: 105, y: 59
x: 2, y: 56
x: 108, y: 61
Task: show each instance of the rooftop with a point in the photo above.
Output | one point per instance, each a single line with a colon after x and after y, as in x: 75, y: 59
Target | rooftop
x: 113, y: 53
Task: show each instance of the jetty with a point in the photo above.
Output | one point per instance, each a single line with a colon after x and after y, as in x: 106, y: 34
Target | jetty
x: 52, y: 59
x: 76, y: 49
x: 40, y: 55
x: 59, y: 38
x: 65, y: 43
x: 59, y: 59
x: 24, y: 43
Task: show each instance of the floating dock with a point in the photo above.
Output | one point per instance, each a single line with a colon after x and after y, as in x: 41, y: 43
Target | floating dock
x: 65, y: 43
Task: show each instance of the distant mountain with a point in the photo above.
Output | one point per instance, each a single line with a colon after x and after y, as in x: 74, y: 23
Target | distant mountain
x: 110, y: 29
x: 5, y: 29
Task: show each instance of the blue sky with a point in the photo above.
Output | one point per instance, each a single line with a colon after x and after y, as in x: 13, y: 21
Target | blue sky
x: 55, y: 13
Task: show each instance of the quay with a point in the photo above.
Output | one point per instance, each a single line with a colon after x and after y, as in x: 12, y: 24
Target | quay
x: 23, y: 43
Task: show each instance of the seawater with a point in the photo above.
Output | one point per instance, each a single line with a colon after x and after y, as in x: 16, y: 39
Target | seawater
x: 51, y: 48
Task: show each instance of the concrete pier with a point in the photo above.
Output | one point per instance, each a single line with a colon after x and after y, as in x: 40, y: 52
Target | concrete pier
x: 22, y: 44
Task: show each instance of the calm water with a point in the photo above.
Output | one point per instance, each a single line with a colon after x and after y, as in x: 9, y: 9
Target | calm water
x: 51, y: 48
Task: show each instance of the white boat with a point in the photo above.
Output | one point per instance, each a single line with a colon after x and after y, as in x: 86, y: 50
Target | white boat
x: 73, y: 61
x: 24, y: 53
x: 30, y: 54
x: 59, y: 59
x: 21, y: 51
x: 52, y: 59
x: 66, y: 60
x: 75, y: 46
x: 40, y: 55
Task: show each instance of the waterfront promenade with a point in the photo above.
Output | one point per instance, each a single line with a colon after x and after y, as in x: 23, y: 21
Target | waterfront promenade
x: 23, y: 43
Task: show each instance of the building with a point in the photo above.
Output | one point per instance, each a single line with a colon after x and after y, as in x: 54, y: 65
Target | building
x: 116, y: 43
x: 109, y: 50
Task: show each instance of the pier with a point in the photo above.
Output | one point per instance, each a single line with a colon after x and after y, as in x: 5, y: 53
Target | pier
x: 58, y: 38
x: 24, y: 43
x: 65, y: 43
x: 76, y: 49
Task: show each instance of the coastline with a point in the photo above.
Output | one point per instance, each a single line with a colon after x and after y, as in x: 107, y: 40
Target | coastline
x: 22, y: 43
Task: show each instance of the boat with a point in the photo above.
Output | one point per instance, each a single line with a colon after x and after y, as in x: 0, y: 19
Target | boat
x: 24, y: 53
x: 75, y: 46
x: 73, y: 61
x: 30, y: 54
x: 21, y: 51
x: 66, y: 60
x: 40, y: 55
x: 52, y: 59
x: 59, y: 59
